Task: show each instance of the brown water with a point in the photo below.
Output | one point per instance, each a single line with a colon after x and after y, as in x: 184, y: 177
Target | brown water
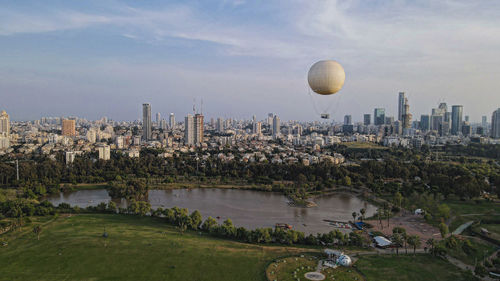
x: 247, y: 208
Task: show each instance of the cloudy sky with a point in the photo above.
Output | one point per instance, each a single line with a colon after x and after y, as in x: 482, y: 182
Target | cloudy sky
x: 105, y: 58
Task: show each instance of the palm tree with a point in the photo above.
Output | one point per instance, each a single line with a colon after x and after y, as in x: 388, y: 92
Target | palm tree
x: 362, y: 211
x: 431, y: 243
x: 379, y: 215
x: 398, y: 241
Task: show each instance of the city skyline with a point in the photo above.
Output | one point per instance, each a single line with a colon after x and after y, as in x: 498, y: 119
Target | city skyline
x: 128, y: 53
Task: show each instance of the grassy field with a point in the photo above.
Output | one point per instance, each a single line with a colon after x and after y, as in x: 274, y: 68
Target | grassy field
x: 471, y: 207
x: 71, y: 248
x: 145, y: 248
x: 406, y: 268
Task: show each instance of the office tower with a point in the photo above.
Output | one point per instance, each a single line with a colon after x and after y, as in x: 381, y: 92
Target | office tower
x: 436, y: 121
x: 347, y: 120
x: 495, y: 124
x: 401, y: 104
x: 379, y: 116
x: 270, y: 119
x: 367, y: 119
x: 4, y: 124
x: 466, y: 119
x: 198, y: 128
x: 466, y: 129
x: 254, y: 125
x: 163, y: 124
x: 443, y: 108
x: 189, y: 130
x: 444, y: 128
x: 425, y: 122
x: 389, y: 120
x: 456, y: 119
x: 406, y: 118
x: 484, y: 122
x: 158, y: 118
x: 68, y: 128
x: 171, y: 121
x: 219, y: 125
x: 104, y: 152
x: 276, y: 126
x: 146, y: 121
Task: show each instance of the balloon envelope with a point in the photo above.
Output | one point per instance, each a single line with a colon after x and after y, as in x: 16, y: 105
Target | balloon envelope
x: 326, y: 77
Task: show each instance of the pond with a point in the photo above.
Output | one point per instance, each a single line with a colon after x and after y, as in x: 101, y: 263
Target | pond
x: 247, y: 208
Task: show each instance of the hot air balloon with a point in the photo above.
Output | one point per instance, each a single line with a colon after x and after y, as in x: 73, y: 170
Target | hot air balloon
x: 325, y: 78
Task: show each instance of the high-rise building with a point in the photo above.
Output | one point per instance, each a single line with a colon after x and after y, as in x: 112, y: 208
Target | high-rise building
x: 198, y: 128
x: 146, y: 121
x: 4, y: 130
x: 270, y: 119
x: 189, y: 130
x: 495, y: 124
x: 4, y: 123
x: 254, y: 125
x: 466, y: 129
x: 219, y: 126
x: 348, y: 120
x: 484, y: 122
x: 436, y: 120
x: 163, y: 124
x: 379, y: 116
x: 258, y: 128
x: 276, y: 126
x: 466, y: 119
x: 456, y: 119
x: 171, y: 121
x: 104, y: 152
x: 158, y: 118
x: 401, y: 105
x: 367, y: 119
x: 68, y: 128
x: 425, y: 122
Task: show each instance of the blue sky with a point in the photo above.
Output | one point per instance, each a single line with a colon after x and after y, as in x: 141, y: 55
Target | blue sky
x: 105, y: 58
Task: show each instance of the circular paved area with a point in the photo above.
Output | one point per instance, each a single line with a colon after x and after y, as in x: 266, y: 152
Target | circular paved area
x: 316, y: 276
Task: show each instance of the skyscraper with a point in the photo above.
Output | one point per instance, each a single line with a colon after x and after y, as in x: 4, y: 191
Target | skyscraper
x: 270, y: 119
x: 276, y: 126
x: 379, y: 116
x: 347, y: 120
x: 219, y: 125
x: 146, y: 121
x: 189, y: 130
x: 198, y: 128
x: 456, y: 119
x: 425, y: 122
x: 68, y: 128
x: 495, y: 124
x: 158, y: 118
x: 258, y: 128
x: 4, y: 130
x: 4, y: 123
x: 484, y: 122
x: 367, y: 119
x: 401, y: 105
x: 171, y: 121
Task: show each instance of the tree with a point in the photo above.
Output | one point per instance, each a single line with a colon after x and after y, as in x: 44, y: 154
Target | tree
x: 362, y: 212
x: 444, y: 211
x: 397, y: 239
x: 431, y: 243
x: 443, y: 228
x: 196, y: 219
x: 37, y: 230
x: 209, y: 224
x: 414, y: 241
x: 398, y: 199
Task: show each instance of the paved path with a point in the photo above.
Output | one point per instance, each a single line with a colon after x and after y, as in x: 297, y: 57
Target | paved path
x: 461, y: 228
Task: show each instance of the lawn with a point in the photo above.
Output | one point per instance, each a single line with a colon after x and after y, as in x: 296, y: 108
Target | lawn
x: 471, y: 207
x: 72, y: 248
x: 406, y: 268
